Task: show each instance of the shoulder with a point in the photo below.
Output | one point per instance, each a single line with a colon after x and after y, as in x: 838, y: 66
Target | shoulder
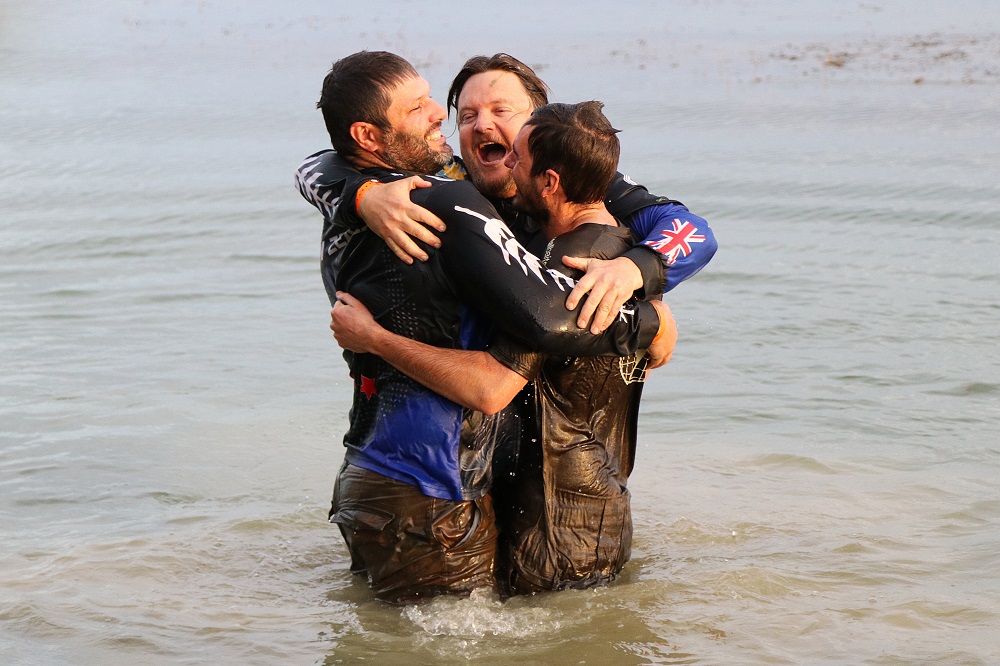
x: 600, y: 241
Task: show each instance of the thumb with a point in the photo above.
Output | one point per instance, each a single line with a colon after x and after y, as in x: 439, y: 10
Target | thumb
x: 346, y: 298
x: 579, y: 263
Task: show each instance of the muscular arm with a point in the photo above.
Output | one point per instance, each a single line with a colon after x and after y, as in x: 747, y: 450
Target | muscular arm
x: 473, y: 379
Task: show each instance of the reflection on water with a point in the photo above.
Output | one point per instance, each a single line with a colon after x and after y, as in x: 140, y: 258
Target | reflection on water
x: 815, y: 479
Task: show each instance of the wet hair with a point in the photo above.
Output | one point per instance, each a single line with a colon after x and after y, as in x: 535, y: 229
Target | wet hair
x: 578, y: 142
x: 537, y: 91
x: 357, y: 89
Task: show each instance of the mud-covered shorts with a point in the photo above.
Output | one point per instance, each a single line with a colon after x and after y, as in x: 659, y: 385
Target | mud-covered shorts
x: 409, y: 545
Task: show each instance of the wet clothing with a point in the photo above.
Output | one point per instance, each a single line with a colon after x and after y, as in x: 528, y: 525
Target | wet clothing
x: 409, y: 545
x: 675, y: 245
x: 560, y: 472
x: 398, y: 427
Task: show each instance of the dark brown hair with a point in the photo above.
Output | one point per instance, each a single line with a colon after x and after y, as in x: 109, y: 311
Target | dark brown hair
x: 578, y: 142
x: 357, y: 90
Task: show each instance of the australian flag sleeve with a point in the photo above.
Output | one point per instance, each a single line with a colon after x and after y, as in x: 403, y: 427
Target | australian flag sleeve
x: 682, y: 242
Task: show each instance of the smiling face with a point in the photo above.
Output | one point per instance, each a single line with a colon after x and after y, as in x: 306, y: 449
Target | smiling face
x: 492, y: 107
x: 414, y: 141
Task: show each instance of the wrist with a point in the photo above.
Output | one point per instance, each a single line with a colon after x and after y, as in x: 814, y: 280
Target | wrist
x: 362, y: 190
x: 663, y: 314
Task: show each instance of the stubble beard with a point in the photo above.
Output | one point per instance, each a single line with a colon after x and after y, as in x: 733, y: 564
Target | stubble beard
x: 500, y: 187
x: 410, y: 152
x: 530, y: 202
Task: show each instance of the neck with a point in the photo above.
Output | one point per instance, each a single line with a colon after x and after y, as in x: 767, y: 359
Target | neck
x: 364, y: 159
x: 569, y: 216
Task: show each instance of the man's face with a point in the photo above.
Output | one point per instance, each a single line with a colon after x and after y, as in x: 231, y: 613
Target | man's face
x: 414, y: 141
x: 527, y: 197
x: 492, y: 107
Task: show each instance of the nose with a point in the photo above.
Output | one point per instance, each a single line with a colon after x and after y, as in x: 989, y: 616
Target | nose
x: 508, y: 159
x: 484, y: 122
x: 438, y: 114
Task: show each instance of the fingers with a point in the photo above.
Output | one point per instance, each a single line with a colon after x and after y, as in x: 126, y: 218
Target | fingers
x: 658, y: 361
x: 580, y: 290
x: 579, y: 263
x: 593, y: 303
x: 405, y: 249
x: 416, y: 182
x: 582, y: 286
x: 425, y: 217
x: 606, y: 312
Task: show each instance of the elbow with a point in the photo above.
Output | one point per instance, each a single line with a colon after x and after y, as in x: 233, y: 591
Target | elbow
x: 490, y: 404
x: 496, y: 397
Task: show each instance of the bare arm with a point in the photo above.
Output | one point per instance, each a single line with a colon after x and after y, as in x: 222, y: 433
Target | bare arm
x: 473, y: 379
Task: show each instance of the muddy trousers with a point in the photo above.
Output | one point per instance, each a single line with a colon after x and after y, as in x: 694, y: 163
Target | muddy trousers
x: 409, y: 545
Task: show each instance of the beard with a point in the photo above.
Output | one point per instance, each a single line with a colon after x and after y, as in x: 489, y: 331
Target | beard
x: 495, y: 185
x: 411, y: 152
x: 528, y: 200
x: 496, y: 182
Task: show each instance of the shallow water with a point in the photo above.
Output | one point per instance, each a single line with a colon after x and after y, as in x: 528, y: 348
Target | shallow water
x: 816, y: 479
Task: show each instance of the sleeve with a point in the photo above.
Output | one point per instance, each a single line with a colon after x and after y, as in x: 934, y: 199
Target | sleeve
x: 675, y: 244
x: 683, y: 241
x: 496, y: 275
x: 325, y: 180
x: 517, y: 357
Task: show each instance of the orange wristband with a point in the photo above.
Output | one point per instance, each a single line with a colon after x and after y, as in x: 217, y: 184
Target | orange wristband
x: 362, y: 190
x: 663, y: 326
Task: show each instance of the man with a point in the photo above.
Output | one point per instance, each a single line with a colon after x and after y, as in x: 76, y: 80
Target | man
x: 411, y: 498
x: 492, y: 97
x: 563, y: 507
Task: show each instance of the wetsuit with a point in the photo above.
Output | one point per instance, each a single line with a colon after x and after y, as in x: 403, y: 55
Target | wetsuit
x: 563, y: 462
x: 410, y: 499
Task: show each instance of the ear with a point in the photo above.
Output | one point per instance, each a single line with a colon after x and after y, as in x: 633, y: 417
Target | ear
x: 551, y: 183
x: 367, y: 136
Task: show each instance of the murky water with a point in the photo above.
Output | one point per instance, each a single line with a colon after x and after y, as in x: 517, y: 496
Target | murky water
x: 817, y: 471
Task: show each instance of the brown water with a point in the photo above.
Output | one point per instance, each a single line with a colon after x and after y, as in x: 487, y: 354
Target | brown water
x: 817, y: 469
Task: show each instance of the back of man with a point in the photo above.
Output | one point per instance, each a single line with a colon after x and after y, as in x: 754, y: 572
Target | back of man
x: 560, y: 481
x: 559, y: 490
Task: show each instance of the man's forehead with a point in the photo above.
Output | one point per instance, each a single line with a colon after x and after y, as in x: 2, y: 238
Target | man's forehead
x: 492, y: 87
x: 521, y: 139
x: 410, y: 90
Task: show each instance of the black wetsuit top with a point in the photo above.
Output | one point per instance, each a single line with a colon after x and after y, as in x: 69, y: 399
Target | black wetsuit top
x: 563, y: 460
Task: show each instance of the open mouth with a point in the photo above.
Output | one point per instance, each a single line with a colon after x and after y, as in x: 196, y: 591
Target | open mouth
x: 491, y: 152
x: 435, y: 135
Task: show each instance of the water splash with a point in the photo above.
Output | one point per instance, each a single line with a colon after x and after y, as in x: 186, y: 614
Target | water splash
x: 480, y: 615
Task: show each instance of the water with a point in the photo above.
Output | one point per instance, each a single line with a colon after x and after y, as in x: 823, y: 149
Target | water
x: 816, y: 478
